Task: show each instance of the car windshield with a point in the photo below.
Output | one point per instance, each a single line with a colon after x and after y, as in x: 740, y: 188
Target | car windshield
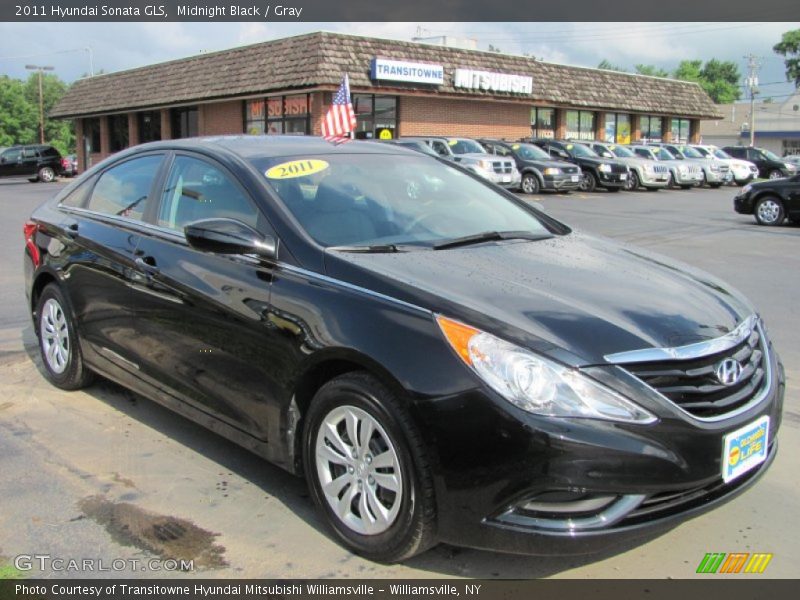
x: 339, y: 201
x: 461, y: 146
x: 690, y: 152
x: 530, y: 152
x: 722, y: 154
x: 663, y: 154
x: 770, y: 155
x: 704, y: 152
x: 621, y: 152
x: 580, y: 150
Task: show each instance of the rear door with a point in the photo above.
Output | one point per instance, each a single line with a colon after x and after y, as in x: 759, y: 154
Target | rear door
x: 201, y: 318
x: 11, y: 162
x: 30, y: 161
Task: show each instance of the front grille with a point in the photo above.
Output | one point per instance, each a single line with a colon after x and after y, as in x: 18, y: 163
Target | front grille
x: 570, y: 170
x: 660, y: 169
x: 724, y: 168
x: 693, y: 384
x: 501, y: 167
x: 615, y: 168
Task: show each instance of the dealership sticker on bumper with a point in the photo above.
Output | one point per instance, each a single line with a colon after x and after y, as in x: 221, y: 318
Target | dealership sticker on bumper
x: 575, y: 178
x: 744, y: 449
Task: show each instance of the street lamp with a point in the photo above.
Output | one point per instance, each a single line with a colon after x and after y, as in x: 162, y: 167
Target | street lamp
x: 40, y: 68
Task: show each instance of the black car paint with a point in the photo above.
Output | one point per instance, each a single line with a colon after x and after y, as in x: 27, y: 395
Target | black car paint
x: 755, y: 155
x: 30, y: 160
x: 560, y: 149
x: 786, y: 191
x: 561, y: 182
x: 240, y: 344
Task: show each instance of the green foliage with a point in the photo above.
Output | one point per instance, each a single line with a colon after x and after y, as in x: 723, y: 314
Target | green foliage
x: 651, y: 70
x: 720, y: 79
x: 10, y: 572
x: 19, y: 112
x: 789, y: 47
x: 608, y: 66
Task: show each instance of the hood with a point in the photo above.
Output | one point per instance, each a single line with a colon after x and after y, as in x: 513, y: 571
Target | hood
x: 546, y: 164
x: 481, y: 156
x: 634, y: 160
x: 575, y: 297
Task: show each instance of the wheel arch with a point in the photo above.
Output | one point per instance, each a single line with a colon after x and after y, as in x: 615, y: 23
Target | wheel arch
x: 42, y: 279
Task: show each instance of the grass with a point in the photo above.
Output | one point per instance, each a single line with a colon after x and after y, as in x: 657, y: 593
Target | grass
x: 10, y: 572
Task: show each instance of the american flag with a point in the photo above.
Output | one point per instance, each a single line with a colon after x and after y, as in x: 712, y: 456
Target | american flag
x: 340, y: 119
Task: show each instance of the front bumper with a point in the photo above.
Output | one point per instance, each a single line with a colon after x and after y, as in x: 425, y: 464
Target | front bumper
x: 653, y: 180
x: 688, y: 177
x: 717, y: 176
x: 507, y: 180
x: 743, y: 204
x: 564, y: 181
x: 492, y: 463
x: 613, y: 180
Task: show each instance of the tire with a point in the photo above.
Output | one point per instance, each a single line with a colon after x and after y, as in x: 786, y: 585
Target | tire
x: 633, y: 182
x: 671, y: 182
x: 775, y: 174
x: 33, y: 179
x: 769, y: 211
x: 409, y: 523
x: 59, y: 345
x: 715, y: 186
x: 686, y: 187
x: 47, y: 175
x: 530, y: 183
x: 588, y: 182
x: 652, y: 189
x: 794, y: 220
x: 613, y: 190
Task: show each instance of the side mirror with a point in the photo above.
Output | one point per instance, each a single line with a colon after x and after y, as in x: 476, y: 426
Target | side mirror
x: 229, y: 236
x: 2, y: 160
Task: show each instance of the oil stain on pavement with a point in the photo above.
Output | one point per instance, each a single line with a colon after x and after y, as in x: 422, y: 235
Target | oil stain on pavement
x: 167, y: 537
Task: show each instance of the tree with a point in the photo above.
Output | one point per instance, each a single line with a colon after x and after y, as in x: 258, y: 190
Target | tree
x: 18, y: 118
x: 651, y: 70
x: 608, y: 66
x: 720, y: 79
x: 789, y: 47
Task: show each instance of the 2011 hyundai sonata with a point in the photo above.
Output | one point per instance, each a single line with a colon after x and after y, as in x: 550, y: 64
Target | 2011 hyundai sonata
x: 442, y: 361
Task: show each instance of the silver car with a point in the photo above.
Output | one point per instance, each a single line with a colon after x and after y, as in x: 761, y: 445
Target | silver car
x: 473, y: 157
x: 714, y: 173
x: 645, y: 172
x: 742, y: 171
x: 682, y: 173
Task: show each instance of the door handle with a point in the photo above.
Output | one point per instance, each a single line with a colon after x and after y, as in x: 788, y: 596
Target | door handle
x: 147, y: 264
x: 72, y: 229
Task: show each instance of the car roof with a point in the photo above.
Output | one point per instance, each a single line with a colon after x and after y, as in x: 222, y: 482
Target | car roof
x: 266, y: 146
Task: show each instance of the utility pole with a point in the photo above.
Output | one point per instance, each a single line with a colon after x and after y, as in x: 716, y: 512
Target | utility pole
x: 41, y: 97
x: 753, y: 65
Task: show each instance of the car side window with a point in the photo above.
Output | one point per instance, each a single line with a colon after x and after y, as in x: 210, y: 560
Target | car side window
x: 29, y: 153
x: 198, y: 190
x: 77, y: 197
x: 439, y: 148
x: 12, y: 155
x: 123, y: 189
x: 501, y: 151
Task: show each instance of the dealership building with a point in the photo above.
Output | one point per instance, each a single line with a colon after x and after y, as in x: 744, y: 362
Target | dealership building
x: 398, y: 89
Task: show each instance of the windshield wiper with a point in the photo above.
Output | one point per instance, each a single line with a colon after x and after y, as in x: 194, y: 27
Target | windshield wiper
x: 490, y: 236
x: 380, y: 248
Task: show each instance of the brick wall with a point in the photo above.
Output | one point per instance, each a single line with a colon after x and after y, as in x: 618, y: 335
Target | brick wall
x: 433, y: 116
x: 221, y: 118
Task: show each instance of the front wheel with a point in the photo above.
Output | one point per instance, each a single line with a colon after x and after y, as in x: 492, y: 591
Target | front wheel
x: 366, y: 468
x: 633, y: 183
x: 769, y: 211
x: 588, y: 182
x: 671, y: 182
x: 530, y: 183
x: 59, y: 346
x: 47, y: 174
x: 775, y: 174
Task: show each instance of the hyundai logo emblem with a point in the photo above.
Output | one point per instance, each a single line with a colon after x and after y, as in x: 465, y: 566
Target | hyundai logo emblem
x: 728, y: 371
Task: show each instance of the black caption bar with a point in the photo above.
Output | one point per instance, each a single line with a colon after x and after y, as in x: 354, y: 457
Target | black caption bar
x: 398, y: 10
x: 384, y: 589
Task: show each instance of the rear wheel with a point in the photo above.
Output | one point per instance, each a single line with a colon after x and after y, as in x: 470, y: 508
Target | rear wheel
x: 367, y: 470
x: 47, y: 174
x: 769, y: 211
x: 58, y: 341
x: 530, y: 183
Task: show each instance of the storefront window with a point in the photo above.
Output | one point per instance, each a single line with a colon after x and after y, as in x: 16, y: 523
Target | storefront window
x: 149, y: 126
x: 117, y: 132
x: 650, y: 128
x: 618, y: 128
x: 543, y: 122
x: 376, y: 116
x: 580, y: 124
x: 184, y: 122
x: 91, y: 135
x: 278, y: 114
x: 680, y: 130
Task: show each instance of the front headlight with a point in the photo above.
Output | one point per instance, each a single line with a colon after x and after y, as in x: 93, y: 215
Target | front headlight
x: 746, y: 189
x: 486, y: 165
x: 552, y: 171
x: 715, y: 167
x: 534, y: 383
x: 604, y: 168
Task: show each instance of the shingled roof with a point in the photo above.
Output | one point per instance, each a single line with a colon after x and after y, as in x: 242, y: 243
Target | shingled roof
x: 319, y: 60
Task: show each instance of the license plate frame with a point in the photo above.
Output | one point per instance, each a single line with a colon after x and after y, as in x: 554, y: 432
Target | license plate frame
x: 745, y: 448
x: 575, y: 178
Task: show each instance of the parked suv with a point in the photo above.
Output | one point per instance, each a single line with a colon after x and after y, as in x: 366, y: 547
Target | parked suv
x: 538, y: 170
x: 681, y: 172
x: 645, y: 172
x: 742, y: 171
x: 770, y: 166
x: 472, y: 156
x: 596, y: 172
x: 714, y: 173
x: 37, y: 162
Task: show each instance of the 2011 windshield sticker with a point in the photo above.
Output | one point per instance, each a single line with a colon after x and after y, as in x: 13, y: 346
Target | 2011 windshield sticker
x: 296, y: 168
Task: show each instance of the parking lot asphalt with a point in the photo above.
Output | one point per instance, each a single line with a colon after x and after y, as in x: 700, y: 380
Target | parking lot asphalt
x: 104, y: 474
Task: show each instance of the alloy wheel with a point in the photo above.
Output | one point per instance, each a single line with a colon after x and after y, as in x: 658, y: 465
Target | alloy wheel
x: 769, y: 211
x: 55, y: 336
x: 530, y: 185
x: 775, y: 174
x: 359, y: 470
x: 46, y: 174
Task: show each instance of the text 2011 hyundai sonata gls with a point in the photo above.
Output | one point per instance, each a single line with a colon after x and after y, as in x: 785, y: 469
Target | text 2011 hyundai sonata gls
x: 440, y: 360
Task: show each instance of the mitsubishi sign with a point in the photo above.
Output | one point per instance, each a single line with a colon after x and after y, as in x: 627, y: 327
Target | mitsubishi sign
x: 493, y: 82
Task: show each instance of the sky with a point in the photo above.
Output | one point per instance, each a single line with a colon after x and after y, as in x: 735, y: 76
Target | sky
x: 119, y: 46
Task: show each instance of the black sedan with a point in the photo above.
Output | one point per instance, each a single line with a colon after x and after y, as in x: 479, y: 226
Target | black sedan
x: 538, y: 170
x: 770, y: 201
x: 440, y: 360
